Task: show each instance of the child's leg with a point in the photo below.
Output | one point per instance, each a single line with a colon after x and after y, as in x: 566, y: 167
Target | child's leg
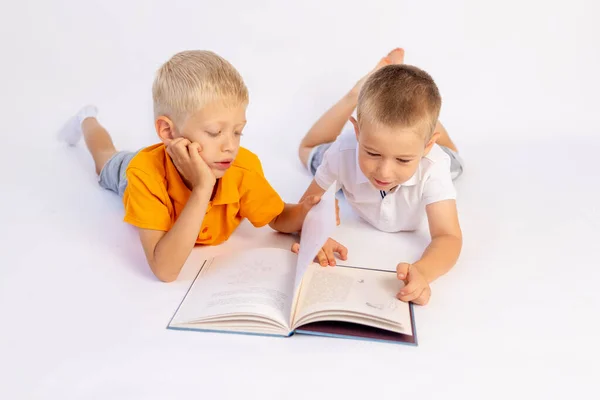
x: 330, y: 125
x: 444, y: 139
x: 98, y: 142
x: 97, y: 139
x: 456, y: 162
x: 111, y: 165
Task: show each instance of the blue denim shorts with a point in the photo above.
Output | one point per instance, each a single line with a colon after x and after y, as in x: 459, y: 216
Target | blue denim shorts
x: 113, y: 177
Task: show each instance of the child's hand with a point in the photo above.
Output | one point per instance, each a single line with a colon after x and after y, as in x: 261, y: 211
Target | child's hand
x: 190, y: 164
x: 311, y: 201
x: 326, y: 255
x: 308, y: 203
x: 417, y: 288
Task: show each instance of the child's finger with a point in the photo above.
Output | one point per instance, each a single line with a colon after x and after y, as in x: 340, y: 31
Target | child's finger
x: 194, y: 151
x: 309, y: 202
x: 180, y: 149
x: 296, y: 248
x: 411, y: 287
x: 171, y: 143
x: 410, y: 296
x: 313, y: 200
x: 322, y: 258
x: 329, y: 254
x: 402, y: 270
x: 423, y: 299
x: 181, y: 143
x: 341, y: 250
x: 179, y: 152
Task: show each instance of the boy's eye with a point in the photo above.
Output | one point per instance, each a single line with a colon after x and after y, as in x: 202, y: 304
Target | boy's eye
x: 372, y: 154
x: 403, y: 161
x: 239, y: 134
x: 213, y: 134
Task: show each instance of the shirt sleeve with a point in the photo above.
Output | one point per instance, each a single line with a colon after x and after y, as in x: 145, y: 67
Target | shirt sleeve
x: 260, y: 203
x: 328, y: 172
x: 438, y: 185
x: 145, y: 202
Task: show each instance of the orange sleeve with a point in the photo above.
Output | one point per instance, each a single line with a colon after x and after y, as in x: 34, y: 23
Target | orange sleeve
x: 145, y: 201
x: 260, y: 203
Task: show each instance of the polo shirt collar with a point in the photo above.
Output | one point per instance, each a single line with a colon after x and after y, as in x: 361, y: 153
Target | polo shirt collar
x: 227, y: 189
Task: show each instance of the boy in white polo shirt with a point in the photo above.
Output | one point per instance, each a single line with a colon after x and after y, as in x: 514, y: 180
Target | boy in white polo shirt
x: 397, y: 166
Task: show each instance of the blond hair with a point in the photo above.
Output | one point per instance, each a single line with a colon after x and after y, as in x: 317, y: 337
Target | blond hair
x: 400, y: 95
x: 192, y: 79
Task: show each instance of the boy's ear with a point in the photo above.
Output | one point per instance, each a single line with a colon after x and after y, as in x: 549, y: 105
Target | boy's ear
x: 165, y: 129
x: 431, y: 142
x: 355, y: 123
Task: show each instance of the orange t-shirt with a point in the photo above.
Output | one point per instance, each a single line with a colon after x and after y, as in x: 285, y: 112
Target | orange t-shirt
x: 156, y: 194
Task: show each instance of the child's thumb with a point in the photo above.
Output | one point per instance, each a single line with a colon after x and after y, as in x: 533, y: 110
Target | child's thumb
x: 402, y: 270
x: 311, y: 201
x: 295, y: 248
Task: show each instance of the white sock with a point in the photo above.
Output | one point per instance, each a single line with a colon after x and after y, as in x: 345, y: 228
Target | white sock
x: 71, y: 132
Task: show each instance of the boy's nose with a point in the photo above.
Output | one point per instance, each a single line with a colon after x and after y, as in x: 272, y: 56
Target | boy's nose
x: 384, y: 170
x: 228, y: 144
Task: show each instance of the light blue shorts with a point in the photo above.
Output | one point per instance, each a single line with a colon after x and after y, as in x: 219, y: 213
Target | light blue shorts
x: 315, y: 158
x: 113, y: 177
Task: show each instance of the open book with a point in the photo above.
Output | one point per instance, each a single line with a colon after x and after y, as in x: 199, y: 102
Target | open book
x: 274, y: 292
x: 253, y: 292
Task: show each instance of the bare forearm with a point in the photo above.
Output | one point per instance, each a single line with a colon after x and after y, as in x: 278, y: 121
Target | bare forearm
x: 290, y: 220
x: 330, y: 125
x: 439, y: 257
x: 175, y: 246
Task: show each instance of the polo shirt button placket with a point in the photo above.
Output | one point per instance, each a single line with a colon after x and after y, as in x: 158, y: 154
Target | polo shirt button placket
x: 383, y: 215
x: 385, y: 210
x: 205, y: 235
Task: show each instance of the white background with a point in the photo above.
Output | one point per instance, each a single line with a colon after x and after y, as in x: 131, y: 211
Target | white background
x: 81, y: 316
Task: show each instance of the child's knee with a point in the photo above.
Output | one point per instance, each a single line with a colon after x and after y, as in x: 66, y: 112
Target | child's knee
x: 303, y: 154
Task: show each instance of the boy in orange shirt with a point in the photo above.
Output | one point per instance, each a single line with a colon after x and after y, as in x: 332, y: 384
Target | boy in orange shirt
x: 198, y: 184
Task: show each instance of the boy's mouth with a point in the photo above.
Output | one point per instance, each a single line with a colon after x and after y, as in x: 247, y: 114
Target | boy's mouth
x: 382, y: 183
x: 223, y: 165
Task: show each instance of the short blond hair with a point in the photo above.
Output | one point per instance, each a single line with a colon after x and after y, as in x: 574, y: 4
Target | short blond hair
x: 400, y: 95
x: 192, y: 79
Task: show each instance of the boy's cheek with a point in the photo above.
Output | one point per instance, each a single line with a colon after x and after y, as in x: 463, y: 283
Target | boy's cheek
x: 197, y: 138
x: 365, y: 166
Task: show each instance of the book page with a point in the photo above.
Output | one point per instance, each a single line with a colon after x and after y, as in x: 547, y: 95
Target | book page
x: 339, y: 291
x: 253, y: 282
x: 318, y: 226
x: 369, y: 247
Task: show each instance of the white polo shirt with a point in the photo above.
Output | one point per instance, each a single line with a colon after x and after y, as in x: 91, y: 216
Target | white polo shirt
x: 402, y: 209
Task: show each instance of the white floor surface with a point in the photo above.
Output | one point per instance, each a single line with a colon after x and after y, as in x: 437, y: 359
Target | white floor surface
x: 81, y: 315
